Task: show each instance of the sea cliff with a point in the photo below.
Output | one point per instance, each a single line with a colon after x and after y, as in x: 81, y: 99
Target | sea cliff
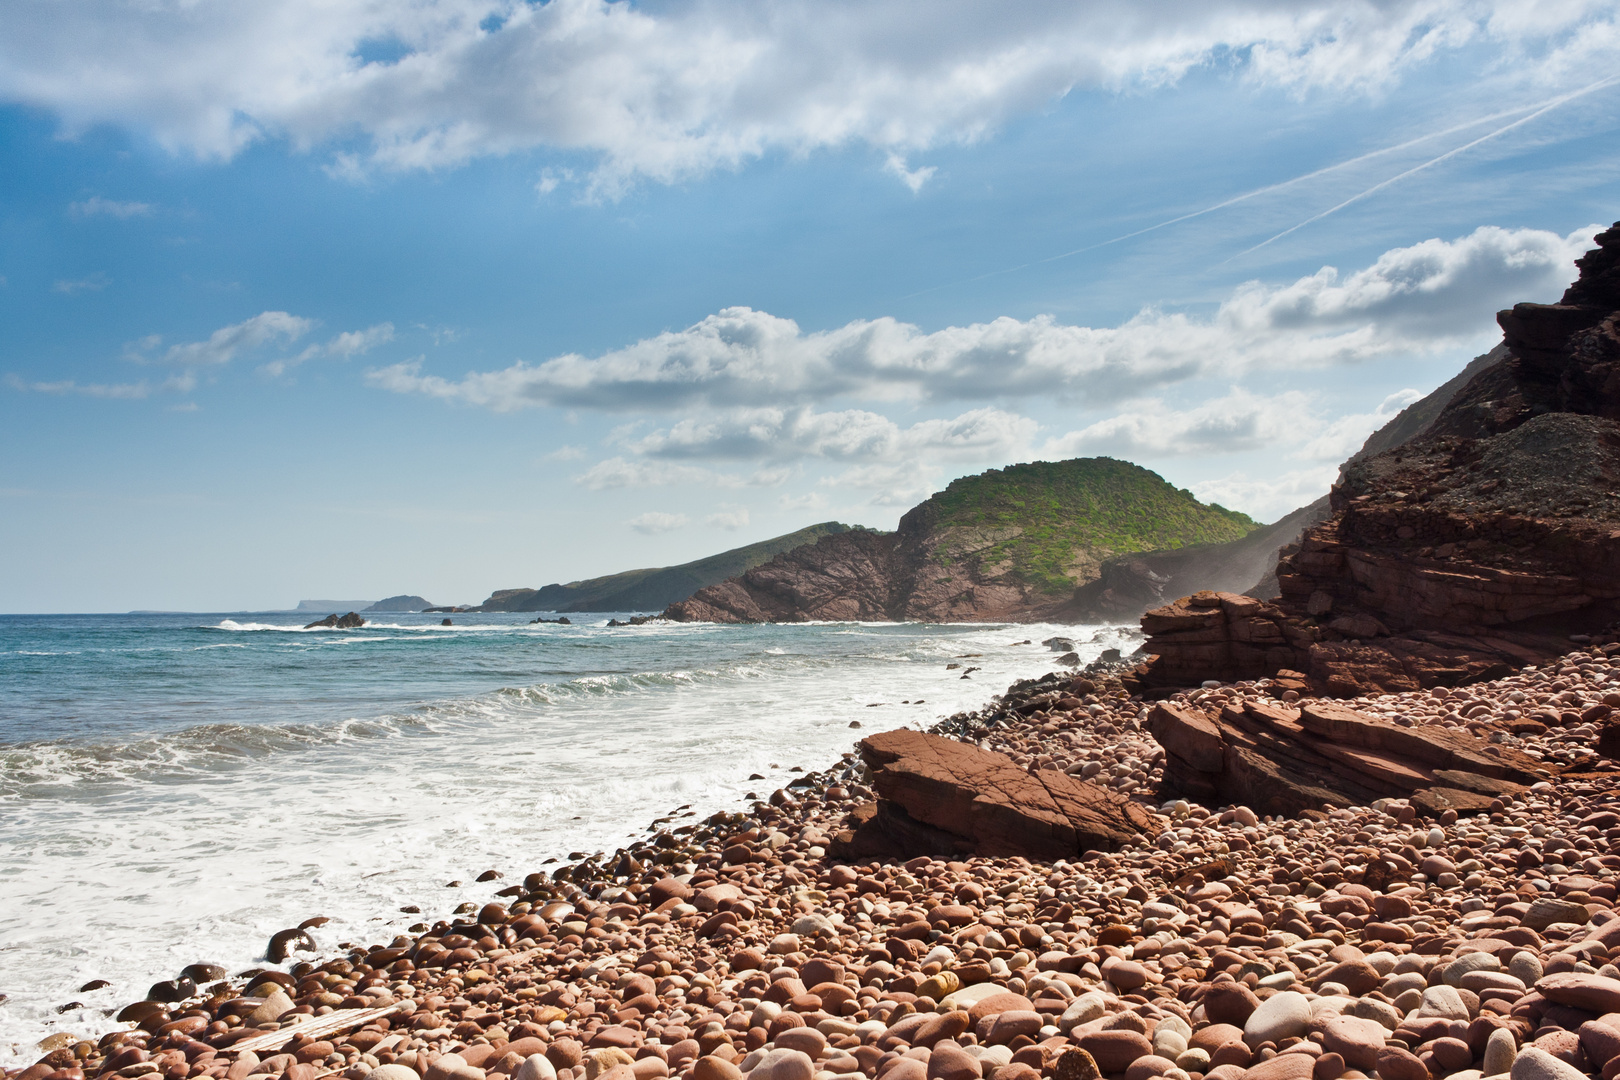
x: 1006, y: 545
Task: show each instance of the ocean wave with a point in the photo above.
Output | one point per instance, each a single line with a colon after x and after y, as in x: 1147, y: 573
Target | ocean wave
x: 214, y: 747
x: 42, y: 768
x: 232, y: 626
x: 197, y: 843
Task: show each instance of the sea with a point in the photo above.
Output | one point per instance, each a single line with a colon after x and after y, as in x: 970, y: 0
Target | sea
x: 176, y: 788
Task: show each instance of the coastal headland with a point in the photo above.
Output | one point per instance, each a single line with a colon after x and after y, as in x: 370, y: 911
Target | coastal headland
x: 1367, y: 827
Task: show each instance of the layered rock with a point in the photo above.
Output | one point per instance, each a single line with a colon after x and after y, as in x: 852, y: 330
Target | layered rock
x: 1480, y: 545
x: 1226, y: 637
x: 938, y: 796
x: 841, y: 577
x: 1130, y: 585
x: 1281, y: 760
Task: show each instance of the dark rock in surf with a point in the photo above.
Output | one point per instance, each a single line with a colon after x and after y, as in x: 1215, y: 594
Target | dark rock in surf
x: 351, y: 621
x: 286, y: 942
x: 203, y: 973
x: 171, y: 990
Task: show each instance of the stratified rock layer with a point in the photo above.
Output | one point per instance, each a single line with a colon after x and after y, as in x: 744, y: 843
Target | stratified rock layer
x: 973, y: 801
x: 1475, y: 548
x: 1281, y: 760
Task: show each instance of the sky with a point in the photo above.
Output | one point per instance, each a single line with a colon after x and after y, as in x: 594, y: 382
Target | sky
x: 350, y: 298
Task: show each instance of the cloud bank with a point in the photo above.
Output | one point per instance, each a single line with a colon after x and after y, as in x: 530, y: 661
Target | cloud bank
x: 672, y: 90
x: 654, y: 522
x: 751, y: 400
x: 1429, y: 296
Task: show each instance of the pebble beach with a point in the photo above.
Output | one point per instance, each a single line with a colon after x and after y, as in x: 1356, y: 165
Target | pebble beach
x: 1354, y: 942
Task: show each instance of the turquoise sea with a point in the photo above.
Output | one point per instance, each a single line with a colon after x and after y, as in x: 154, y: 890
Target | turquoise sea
x: 176, y: 788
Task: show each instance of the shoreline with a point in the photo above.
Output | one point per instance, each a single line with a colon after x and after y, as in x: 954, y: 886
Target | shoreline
x: 580, y: 977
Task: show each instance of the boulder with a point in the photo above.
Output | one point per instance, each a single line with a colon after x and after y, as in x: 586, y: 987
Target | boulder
x: 351, y: 621
x: 943, y: 797
x: 1276, y: 759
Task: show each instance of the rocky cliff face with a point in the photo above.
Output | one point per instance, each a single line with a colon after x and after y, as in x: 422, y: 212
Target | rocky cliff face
x: 655, y: 588
x: 1128, y: 586
x: 1008, y: 545
x: 872, y: 576
x: 1482, y: 544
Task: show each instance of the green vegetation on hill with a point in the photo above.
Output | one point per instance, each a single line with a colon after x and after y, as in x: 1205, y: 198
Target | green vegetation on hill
x: 1041, y: 514
x: 656, y: 588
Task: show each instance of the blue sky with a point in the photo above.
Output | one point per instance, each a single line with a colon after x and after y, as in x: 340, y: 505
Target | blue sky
x: 441, y: 296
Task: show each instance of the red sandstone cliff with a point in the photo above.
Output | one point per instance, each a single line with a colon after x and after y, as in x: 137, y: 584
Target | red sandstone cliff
x: 1478, y: 546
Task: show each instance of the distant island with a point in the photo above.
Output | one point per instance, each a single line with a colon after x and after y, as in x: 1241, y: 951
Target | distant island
x: 330, y: 607
x: 402, y: 602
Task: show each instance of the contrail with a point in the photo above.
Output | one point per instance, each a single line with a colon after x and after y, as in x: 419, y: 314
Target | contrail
x: 1543, y: 110
x: 1268, y: 189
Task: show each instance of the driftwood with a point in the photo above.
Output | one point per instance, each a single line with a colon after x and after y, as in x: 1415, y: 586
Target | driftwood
x: 321, y: 1026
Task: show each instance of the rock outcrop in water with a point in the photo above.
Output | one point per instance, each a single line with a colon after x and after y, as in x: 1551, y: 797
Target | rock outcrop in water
x: 1478, y: 546
x: 1007, y: 545
x: 351, y: 621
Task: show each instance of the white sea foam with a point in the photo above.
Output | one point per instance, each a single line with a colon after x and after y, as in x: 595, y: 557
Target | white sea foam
x: 126, y: 859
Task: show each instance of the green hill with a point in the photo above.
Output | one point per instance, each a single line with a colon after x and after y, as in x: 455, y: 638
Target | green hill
x: 1048, y: 523
x: 1009, y: 544
x: 656, y: 588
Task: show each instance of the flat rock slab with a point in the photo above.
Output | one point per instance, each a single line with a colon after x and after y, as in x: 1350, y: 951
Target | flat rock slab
x: 996, y: 806
x: 1279, y: 760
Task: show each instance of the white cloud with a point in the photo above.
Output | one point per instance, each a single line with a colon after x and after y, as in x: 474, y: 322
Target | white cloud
x: 97, y: 206
x: 671, y: 90
x: 731, y: 519
x: 1268, y: 498
x: 94, y: 283
x: 223, y: 345
x: 1344, y: 436
x: 895, y: 485
x: 1433, y: 295
x: 550, y: 180
x: 813, y: 500
x: 135, y: 391
x: 851, y: 434
x: 1239, y: 422
x: 912, y: 178
x: 654, y: 522
x: 618, y: 472
x: 566, y: 453
x: 352, y: 343
x: 348, y: 344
